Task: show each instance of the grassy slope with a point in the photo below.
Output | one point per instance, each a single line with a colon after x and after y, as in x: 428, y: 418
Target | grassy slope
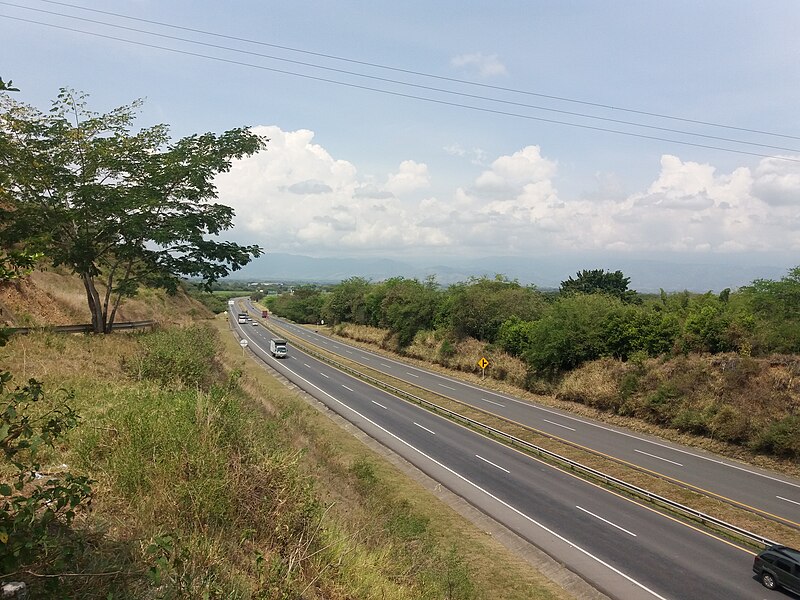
x: 229, y: 483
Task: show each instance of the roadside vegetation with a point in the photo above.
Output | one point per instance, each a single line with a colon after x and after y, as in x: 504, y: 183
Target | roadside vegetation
x: 721, y: 366
x: 197, y: 475
x: 149, y: 465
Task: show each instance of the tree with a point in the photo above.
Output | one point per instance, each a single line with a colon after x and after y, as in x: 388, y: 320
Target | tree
x: 479, y: 308
x: 347, y: 302
x: 775, y: 305
x: 117, y: 207
x: 598, y: 281
x: 571, y: 332
x: 408, y: 306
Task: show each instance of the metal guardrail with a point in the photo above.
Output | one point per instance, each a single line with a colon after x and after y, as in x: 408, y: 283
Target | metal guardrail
x: 686, y: 511
x: 79, y: 328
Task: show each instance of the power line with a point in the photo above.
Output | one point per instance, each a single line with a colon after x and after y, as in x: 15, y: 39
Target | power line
x: 399, y: 94
x: 404, y: 83
x: 428, y: 75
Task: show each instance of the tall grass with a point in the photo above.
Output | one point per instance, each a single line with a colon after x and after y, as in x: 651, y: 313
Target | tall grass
x: 200, y: 493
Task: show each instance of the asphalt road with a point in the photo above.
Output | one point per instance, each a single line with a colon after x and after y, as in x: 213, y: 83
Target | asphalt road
x: 625, y: 549
x: 769, y: 493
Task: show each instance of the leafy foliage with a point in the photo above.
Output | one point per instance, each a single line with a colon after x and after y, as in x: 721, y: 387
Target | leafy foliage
x: 595, y: 316
x: 776, y: 305
x: 347, y: 302
x: 405, y: 306
x: 598, y: 281
x: 33, y: 502
x: 569, y: 334
x: 119, y: 208
x: 479, y: 308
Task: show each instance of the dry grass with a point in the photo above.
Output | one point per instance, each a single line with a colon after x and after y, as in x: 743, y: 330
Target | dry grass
x: 430, y: 347
x: 55, y: 297
x: 163, y: 463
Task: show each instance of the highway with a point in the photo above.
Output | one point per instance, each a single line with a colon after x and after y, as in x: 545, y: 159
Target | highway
x: 771, y: 494
x: 627, y: 550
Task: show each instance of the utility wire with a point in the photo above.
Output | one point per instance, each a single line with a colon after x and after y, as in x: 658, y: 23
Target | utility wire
x: 423, y: 74
x: 408, y: 84
x: 399, y: 94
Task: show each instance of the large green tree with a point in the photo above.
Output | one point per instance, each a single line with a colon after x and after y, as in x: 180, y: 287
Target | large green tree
x: 598, y: 281
x: 118, y: 207
x: 479, y: 307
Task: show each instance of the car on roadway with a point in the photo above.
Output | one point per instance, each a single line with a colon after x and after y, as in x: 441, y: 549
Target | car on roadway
x: 254, y: 323
x: 778, y: 567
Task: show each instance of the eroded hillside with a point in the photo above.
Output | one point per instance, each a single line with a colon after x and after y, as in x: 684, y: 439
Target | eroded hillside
x: 58, y: 298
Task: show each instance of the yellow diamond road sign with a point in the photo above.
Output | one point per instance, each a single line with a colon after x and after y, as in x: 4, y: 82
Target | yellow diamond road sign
x: 483, y: 363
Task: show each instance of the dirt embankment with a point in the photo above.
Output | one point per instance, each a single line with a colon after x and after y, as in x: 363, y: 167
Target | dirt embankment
x: 58, y: 298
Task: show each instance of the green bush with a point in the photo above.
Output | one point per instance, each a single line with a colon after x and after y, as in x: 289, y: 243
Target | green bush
x: 781, y: 438
x: 37, y: 508
x: 690, y: 420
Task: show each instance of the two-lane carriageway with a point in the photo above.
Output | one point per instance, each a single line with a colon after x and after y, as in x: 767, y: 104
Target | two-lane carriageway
x: 629, y: 551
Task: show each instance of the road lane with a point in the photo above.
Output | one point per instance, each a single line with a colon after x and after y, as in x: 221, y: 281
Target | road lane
x: 767, y: 492
x: 539, y: 502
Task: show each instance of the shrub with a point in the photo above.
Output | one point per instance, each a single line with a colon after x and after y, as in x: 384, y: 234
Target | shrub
x: 35, y: 506
x: 781, y: 438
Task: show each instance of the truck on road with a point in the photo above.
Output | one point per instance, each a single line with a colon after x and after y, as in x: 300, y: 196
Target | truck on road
x: 242, y: 319
x: 277, y: 347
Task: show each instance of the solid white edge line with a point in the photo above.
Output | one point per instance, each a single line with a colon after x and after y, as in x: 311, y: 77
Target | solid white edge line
x: 487, y: 493
x: 491, y: 463
x: 605, y: 521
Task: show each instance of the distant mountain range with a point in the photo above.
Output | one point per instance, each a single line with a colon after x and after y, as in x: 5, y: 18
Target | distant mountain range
x: 675, y: 273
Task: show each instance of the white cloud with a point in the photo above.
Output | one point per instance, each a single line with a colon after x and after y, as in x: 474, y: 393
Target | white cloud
x: 411, y: 176
x: 777, y: 182
x: 477, y: 155
x: 485, y: 66
x: 296, y: 197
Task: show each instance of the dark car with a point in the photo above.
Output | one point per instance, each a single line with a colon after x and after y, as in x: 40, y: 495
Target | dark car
x: 778, y: 567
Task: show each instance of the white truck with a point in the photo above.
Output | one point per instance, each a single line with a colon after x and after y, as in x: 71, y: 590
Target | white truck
x: 242, y: 318
x: 277, y: 347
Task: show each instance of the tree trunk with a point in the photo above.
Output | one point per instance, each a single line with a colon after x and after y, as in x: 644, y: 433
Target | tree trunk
x: 95, y: 307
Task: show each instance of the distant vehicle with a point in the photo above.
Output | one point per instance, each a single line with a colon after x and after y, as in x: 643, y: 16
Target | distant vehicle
x: 230, y: 302
x: 265, y: 314
x: 242, y: 318
x: 253, y: 322
x: 277, y: 347
x: 778, y: 567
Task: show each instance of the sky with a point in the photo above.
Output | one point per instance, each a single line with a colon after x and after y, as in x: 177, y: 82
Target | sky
x: 460, y: 129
